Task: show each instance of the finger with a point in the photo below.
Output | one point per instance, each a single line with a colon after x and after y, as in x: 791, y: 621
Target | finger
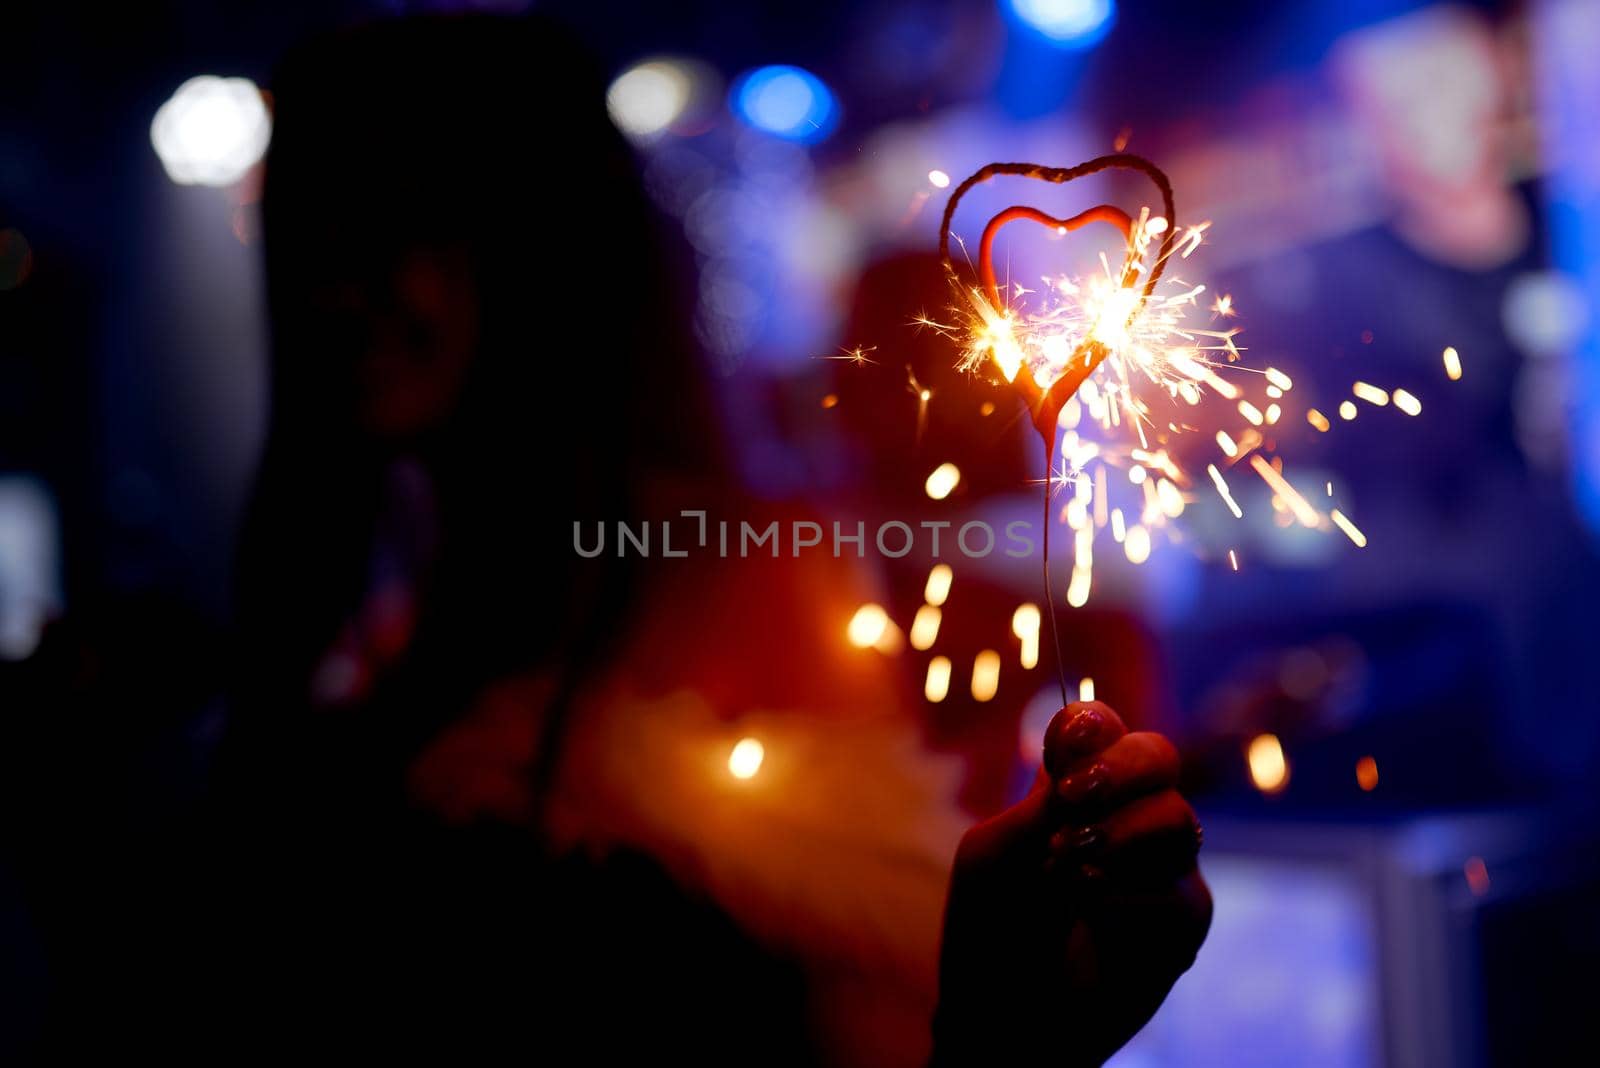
x: 1078, y: 730
x: 1153, y: 838
x: 1134, y: 765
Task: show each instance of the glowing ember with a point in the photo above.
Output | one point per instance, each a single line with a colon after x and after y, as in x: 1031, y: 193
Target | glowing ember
x: 868, y: 626
x: 1349, y: 528
x: 1370, y: 393
x: 925, y: 627
x: 985, y: 675
x: 746, y: 758
x: 1222, y: 489
x: 1269, y: 769
x: 1025, y: 625
x: 938, y: 684
x: 1367, y: 773
x: 1086, y: 689
x: 1452, y: 364
x: 944, y: 479
x: 938, y: 587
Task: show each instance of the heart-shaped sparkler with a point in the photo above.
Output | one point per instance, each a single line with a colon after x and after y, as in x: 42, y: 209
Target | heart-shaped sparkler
x: 1046, y: 401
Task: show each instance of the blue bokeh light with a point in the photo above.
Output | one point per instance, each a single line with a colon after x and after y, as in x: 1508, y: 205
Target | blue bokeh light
x: 786, y: 102
x: 1066, y: 23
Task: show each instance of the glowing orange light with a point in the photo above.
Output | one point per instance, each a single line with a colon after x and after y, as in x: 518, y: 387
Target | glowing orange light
x: 746, y: 758
x: 1269, y: 769
x: 1349, y: 528
x: 944, y: 479
x: 938, y: 682
x: 925, y: 627
x: 985, y: 675
x: 1367, y: 773
x: 867, y: 626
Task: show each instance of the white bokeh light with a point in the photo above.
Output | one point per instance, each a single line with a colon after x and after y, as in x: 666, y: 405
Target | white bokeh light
x: 648, y: 98
x: 212, y: 131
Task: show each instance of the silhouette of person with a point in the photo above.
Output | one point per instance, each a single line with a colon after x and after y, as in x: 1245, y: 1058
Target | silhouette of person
x: 476, y: 342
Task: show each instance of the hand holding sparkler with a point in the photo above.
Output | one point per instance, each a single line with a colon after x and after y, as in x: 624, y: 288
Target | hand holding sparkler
x: 1073, y: 912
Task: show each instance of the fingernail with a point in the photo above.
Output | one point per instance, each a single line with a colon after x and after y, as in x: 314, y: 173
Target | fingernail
x: 1082, y: 841
x: 1084, y: 725
x: 1083, y: 785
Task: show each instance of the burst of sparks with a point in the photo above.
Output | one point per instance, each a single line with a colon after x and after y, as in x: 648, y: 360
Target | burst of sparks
x: 1166, y: 369
x: 857, y: 355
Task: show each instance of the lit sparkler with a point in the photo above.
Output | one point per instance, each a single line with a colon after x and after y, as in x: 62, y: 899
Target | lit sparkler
x: 1134, y: 353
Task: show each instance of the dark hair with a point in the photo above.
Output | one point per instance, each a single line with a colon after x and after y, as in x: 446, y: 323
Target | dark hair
x: 487, y: 135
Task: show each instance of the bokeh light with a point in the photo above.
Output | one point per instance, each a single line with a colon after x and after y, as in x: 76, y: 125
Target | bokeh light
x: 1269, y: 768
x: 1068, y: 23
x: 868, y: 626
x: 787, y: 102
x: 647, y: 98
x: 212, y: 131
x: 746, y: 758
x: 943, y: 481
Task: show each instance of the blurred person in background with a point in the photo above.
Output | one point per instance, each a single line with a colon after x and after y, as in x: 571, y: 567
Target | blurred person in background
x: 473, y: 796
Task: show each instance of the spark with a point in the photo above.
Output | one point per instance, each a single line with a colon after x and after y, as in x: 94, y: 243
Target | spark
x: 746, y: 758
x: 1452, y: 363
x: 867, y: 626
x: 1307, y: 515
x: 1025, y: 625
x: 1370, y: 393
x: 938, y: 681
x: 1350, y: 529
x: 857, y: 355
x: 1136, y: 546
x: 1145, y: 368
x: 1086, y: 689
x: 938, y: 587
x: 938, y: 179
x: 943, y: 481
x: 1222, y: 490
x: 985, y: 675
x: 1269, y: 769
x: 1367, y: 773
x: 925, y: 627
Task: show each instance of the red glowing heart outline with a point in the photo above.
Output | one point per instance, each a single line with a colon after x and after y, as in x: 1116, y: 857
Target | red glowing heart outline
x: 1045, y: 404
